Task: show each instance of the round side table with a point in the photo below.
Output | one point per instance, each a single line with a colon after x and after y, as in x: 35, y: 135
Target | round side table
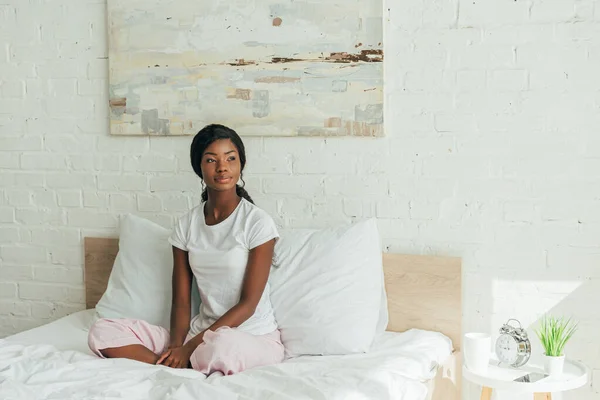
x: 575, y: 375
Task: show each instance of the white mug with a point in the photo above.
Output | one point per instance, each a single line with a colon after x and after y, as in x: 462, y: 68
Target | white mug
x: 477, y: 351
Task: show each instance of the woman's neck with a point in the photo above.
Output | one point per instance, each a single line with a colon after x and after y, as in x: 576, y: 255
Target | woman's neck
x: 220, y: 205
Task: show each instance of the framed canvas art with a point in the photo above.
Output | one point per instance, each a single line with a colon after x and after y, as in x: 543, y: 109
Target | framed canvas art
x: 263, y: 67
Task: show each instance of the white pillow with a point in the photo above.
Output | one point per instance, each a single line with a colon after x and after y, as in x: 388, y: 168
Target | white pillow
x: 139, y: 286
x: 383, y: 320
x: 326, y: 289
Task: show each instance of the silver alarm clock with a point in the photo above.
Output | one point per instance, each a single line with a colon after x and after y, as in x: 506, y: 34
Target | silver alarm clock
x: 513, y: 346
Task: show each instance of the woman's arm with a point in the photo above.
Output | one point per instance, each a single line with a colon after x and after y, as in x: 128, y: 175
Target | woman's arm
x: 181, y: 298
x: 253, y: 286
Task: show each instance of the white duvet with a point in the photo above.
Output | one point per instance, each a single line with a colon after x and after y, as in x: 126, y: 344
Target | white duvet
x: 395, y: 368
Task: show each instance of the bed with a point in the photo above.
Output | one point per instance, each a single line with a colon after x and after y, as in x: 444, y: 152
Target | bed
x: 417, y: 358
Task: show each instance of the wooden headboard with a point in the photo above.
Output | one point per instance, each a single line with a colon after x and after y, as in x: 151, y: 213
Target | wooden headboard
x: 423, y: 291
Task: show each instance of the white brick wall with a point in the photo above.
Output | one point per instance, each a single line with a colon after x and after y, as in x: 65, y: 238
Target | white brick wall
x: 491, y: 154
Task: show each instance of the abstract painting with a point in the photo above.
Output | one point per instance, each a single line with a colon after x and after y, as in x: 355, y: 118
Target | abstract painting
x: 263, y: 67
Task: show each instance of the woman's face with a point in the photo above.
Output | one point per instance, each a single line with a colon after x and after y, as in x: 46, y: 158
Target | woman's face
x: 221, y: 165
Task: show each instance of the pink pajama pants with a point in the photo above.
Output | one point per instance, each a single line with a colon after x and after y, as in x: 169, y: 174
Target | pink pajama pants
x: 227, y: 350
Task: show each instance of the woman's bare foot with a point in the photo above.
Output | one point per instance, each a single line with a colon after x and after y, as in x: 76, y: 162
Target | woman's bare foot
x: 133, y: 352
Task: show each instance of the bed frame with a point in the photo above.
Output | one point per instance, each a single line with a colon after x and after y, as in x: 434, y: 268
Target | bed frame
x: 423, y: 292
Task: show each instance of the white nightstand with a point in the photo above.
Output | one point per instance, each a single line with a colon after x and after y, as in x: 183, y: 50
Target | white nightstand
x: 574, y: 376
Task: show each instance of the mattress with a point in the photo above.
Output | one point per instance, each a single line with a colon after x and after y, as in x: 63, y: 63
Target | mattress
x: 54, y: 362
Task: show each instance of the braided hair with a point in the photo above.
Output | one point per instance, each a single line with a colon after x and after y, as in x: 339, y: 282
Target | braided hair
x: 204, y: 138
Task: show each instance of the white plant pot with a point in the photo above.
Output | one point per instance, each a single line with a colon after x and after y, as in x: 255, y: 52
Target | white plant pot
x: 553, y: 366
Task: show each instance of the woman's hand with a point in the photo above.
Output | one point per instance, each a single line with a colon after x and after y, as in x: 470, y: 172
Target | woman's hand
x: 176, y: 357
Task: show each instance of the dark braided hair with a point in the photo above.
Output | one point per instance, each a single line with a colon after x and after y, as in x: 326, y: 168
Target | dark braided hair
x: 203, y: 139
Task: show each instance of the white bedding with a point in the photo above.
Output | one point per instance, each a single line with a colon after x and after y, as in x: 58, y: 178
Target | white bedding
x: 53, y: 362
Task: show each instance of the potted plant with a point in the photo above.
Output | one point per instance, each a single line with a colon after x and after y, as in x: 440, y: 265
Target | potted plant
x: 554, y: 333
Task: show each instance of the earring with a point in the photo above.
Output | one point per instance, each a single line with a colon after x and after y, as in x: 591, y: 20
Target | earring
x: 202, y: 183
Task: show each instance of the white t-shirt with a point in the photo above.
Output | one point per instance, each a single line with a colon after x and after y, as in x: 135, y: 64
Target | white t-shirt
x: 218, y: 255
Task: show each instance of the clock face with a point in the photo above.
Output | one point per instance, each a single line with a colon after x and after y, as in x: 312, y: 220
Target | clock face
x: 506, y: 349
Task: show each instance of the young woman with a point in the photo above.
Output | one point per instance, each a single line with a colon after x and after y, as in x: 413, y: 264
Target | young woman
x: 227, y: 244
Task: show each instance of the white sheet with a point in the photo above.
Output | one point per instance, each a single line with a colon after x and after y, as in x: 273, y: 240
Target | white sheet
x: 67, y: 333
x: 53, y: 362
